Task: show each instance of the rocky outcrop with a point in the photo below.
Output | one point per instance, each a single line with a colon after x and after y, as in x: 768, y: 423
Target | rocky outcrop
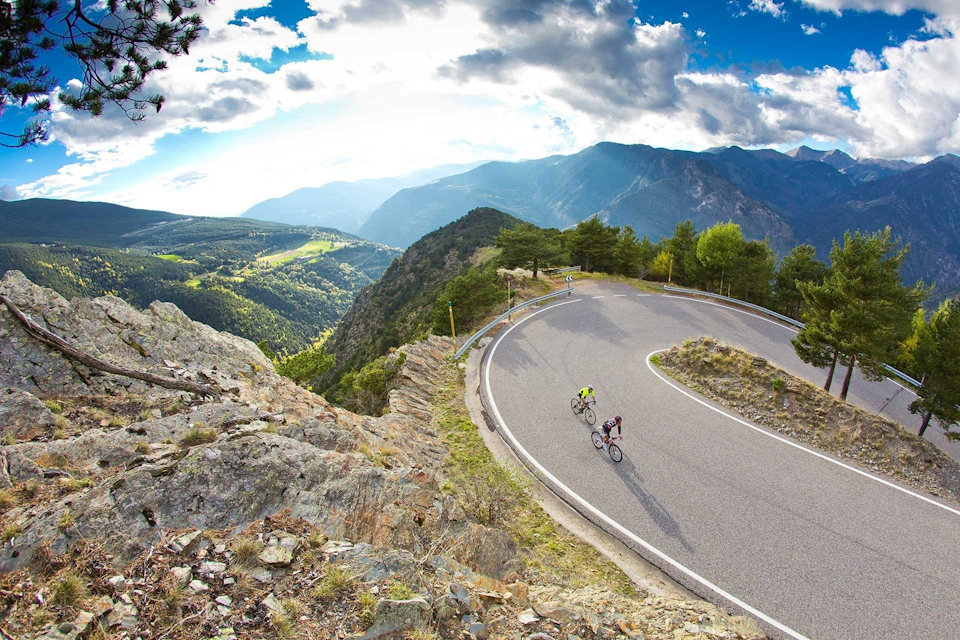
x: 268, y: 446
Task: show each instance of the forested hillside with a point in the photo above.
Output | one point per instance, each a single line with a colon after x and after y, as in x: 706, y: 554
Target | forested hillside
x: 398, y: 307
x: 263, y: 281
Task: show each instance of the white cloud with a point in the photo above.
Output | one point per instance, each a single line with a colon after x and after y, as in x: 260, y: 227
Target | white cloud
x: 685, y: 15
x: 809, y: 29
x: 768, y: 6
x: 8, y: 193
x: 894, y: 7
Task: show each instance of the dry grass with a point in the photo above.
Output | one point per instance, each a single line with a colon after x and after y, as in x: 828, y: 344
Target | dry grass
x: 245, y: 550
x: 70, y: 590
x: 198, y: 434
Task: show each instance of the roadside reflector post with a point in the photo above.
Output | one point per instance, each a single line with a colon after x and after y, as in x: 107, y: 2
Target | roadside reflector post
x: 453, y: 331
x: 670, y: 275
x: 509, y: 306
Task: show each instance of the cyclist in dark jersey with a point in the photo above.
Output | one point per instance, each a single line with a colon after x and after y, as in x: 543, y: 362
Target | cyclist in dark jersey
x: 608, y: 426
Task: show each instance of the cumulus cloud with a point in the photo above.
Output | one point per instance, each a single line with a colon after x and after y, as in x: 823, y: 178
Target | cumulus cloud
x: 894, y: 7
x: 768, y: 6
x: 809, y: 29
x: 685, y: 15
x: 8, y: 193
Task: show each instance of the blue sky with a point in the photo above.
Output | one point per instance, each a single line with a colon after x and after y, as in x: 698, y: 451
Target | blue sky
x: 277, y: 96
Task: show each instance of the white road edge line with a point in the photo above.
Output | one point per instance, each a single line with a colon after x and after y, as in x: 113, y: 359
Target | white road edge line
x: 616, y: 525
x: 644, y: 295
x: 790, y: 442
x: 597, y: 297
x: 619, y: 295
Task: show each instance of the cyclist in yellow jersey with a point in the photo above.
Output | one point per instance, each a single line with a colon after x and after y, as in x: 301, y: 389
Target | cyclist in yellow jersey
x: 584, y: 394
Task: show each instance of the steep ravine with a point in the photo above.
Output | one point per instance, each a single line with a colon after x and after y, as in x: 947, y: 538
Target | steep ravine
x: 134, y: 511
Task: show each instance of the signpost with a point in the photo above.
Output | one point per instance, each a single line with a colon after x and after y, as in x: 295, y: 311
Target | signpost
x: 452, y: 330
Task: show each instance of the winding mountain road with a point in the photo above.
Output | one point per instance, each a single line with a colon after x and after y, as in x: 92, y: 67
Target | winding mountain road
x: 739, y: 514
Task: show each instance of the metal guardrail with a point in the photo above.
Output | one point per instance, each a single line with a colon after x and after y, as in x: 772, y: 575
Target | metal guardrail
x: 787, y: 319
x: 508, y: 312
x: 564, y: 270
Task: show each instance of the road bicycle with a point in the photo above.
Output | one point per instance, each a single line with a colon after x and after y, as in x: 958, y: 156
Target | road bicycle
x: 586, y: 412
x: 615, y: 453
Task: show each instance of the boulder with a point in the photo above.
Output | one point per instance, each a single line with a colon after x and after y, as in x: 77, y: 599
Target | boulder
x: 23, y: 415
x: 391, y: 616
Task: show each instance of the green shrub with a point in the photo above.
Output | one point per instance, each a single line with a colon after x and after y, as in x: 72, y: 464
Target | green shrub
x: 53, y: 406
x: 400, y: 591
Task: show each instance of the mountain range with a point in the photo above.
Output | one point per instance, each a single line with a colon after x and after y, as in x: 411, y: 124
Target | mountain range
x: 800, y: 196
x: 344, y: 205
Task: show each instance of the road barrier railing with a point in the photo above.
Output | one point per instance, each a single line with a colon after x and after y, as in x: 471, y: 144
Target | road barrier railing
x: 778, y: 316
x: 479, y: 334
x: 564, y: 270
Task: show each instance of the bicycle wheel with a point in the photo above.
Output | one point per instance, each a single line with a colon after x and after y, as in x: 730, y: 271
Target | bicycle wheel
x: 615, y: 454
x: 597, y: 439
x: 575, y: 406
x: 590, y: 416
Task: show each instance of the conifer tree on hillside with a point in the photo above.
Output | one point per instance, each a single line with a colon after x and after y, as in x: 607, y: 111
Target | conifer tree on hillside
x: 529, y: 247
x: 862, y: 312
x: 800, y: 265
x: 591, y: 245
x: 682, y: 246
x: 934, y: 352
x: 117, y: 45
x: 755, y: 270
x: 628, y: 252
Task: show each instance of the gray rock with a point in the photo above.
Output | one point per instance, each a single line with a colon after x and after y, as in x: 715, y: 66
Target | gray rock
x: 276, y: 556
x: 271, y: 603
x: 23, y: 414
x: 224, y: 600
x: 118, y: 582
x: 198, y: 586
x: 69, y: 630
x: 261, y: 575
x: 181, y: 575
x: 391, y: 616
x: 478, y: 630
x: 528, y: 617
x: 212, y: 568
x: 188, y: 542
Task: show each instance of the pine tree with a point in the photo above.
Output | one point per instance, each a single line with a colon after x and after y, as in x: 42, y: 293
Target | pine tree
x: 862, y: 312
x: 755, y: 271
x: 529, y: 247
x: 817, y: 343
x: 800, y: 265
x: 683, y: 247
x: 627, y: 252
x: 591, y: 244
x: 117, y: 46
x: 935, y: 350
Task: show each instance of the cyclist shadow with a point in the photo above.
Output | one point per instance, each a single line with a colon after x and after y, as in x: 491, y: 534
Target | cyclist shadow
x: 632, y: 480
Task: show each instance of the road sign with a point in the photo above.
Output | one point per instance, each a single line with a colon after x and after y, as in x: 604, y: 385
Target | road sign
x: 569, y: 278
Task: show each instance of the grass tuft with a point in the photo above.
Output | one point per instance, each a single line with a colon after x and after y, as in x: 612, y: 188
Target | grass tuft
x: 70, y: 590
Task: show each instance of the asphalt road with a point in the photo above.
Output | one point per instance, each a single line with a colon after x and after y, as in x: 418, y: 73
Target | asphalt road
x: 818, y: 549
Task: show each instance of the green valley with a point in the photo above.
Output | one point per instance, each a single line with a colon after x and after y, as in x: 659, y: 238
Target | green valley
x: 260, y: 280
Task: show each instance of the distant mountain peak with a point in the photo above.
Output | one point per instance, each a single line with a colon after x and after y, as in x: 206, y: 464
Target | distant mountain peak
x: 948, y: 158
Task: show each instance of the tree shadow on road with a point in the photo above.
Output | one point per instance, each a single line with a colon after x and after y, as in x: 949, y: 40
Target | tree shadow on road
x: 633, y: 481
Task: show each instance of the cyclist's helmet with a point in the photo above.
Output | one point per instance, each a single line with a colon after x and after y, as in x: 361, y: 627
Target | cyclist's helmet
x: 617, y: 419
x: 591, y: 388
